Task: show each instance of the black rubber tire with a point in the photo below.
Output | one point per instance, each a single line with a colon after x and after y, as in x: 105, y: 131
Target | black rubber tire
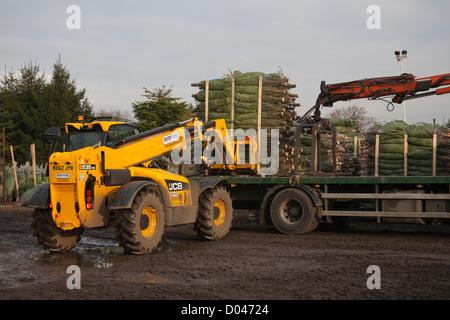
x: 50, y: 236
x: 292, y: 212
x: 211, y: 224
x: 131, y: 224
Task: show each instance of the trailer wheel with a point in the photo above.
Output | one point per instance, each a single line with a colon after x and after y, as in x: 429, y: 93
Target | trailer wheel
x: 292, y: 212
x: 50, y: 236
x: 215, y: 214
x: 140, y: 228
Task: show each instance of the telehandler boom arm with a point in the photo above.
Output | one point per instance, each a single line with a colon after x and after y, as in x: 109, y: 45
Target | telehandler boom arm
x: 143, y: 147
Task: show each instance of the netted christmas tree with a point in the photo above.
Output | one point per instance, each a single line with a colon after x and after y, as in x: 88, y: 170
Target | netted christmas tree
x: 277, y: 106
x: 419, y: 149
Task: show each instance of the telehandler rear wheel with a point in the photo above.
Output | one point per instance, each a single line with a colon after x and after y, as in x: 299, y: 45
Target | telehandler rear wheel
x: 50, y: 236
x: 140, y: 228
x: 215, y: 214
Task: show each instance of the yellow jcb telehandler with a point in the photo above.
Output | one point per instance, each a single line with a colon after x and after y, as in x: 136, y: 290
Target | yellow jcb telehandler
x: 106, y: 168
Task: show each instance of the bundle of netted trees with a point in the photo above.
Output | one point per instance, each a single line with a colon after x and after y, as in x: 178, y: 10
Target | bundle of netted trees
x: 394, y: 148
x: 413, y: 150
x: 326, y: 153
x: 348, y: 134
x: 252, y: 100
x: 257, y: 100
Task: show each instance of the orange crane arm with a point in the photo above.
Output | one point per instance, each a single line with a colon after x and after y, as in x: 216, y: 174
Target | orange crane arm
x: 403, y: 87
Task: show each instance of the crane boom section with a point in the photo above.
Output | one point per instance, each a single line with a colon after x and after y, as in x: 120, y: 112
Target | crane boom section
x: 403, y: 87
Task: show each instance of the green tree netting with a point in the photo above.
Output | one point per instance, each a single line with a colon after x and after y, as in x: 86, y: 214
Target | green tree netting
x: 277, y: 106
x: 391, y: 149
x: 419, y: 148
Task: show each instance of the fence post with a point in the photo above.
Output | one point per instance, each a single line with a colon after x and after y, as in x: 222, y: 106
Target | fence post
x: 405, y: 155
x: 434, y: 153
x: 377, y: 153
x: 15, y: 174
x: 33, y: 161
x: 258, y: 130
x: 206, y: 100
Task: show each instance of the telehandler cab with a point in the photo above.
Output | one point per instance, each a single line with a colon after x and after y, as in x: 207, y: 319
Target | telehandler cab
x: 106, y: 169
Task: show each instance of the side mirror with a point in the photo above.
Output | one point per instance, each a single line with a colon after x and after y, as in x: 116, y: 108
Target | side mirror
x: 51, y: 134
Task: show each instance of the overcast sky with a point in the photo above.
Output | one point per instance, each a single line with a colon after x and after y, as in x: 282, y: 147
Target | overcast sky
x: 122, y: 46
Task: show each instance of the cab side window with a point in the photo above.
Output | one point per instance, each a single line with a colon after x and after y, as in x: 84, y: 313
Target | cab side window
x: 119, y: 131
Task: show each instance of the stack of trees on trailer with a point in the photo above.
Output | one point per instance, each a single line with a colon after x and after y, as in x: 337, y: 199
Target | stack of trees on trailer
x: 414, y: 150
x: 348, y: 134
x: 408, y: 150
x: 353, y: 154
x: 237, y: 97
x: 418, y: 149
x: 326, y: 153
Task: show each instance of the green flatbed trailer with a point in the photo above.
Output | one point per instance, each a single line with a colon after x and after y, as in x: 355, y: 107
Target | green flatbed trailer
x: 297, y: 204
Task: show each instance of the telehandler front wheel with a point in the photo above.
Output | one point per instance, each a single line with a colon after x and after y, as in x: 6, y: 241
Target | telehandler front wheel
x: 50, y: 236
x: 215, y: 214
x: 141, y: 228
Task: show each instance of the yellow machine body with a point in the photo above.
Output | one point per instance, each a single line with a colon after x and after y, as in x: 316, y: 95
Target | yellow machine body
x: 85, y: 183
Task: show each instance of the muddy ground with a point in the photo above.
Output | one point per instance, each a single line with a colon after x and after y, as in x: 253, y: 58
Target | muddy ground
x: 254, y: 262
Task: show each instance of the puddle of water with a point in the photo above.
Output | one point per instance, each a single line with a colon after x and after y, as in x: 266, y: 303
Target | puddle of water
x: 103, y: 264
x: 169, y: 246
x: 93, y: 257
x: 94, y: 252
x: 28, y: 263
x: 18, y: 268
x: 26, y: 279
x: 89, y: 243
x: 81, y: 260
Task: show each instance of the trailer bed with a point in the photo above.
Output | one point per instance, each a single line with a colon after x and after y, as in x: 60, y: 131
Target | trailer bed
x: 350, y: 196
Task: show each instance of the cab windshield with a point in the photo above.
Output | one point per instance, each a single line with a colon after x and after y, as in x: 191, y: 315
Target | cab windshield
x: 83, y: 138
x: 76, y: 139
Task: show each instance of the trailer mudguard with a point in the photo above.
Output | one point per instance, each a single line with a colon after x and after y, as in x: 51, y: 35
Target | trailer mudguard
x: 123, y: 198
x: 317, y: 201
x: 41, y: 197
